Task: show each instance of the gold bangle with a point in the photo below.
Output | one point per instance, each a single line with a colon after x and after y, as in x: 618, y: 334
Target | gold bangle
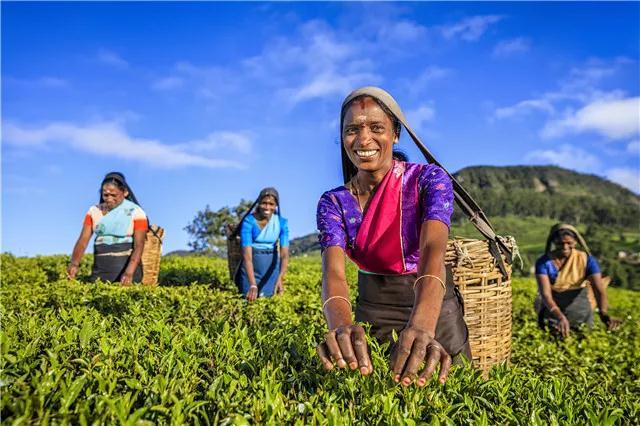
x: 335, y: 297
x: 444, y: 287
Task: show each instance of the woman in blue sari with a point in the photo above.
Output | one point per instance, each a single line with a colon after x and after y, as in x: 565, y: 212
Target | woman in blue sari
x: 262, y: 269
x: 120, y: 226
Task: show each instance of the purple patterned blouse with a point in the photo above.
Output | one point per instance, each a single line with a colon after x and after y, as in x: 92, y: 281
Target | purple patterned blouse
x: 427, y: 194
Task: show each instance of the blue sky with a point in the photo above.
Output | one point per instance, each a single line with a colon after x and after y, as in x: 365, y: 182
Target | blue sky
x: 206, y: 103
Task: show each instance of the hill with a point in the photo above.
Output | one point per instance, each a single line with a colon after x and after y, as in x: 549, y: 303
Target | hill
x: 550, y: 192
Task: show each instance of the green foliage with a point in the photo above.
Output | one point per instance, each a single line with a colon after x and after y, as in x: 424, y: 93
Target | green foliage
x: 208, y: 230
x: 550, y: 192
x: 74, y: 353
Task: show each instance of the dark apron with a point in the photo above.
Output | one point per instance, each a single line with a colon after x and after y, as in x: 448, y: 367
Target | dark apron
x: 574, y: 304
x: 266, y: 269
x: 386, y: 302
x: 110, y: 261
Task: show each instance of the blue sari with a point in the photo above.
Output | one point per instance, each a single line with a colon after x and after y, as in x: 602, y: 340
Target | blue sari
x: 266, y: 259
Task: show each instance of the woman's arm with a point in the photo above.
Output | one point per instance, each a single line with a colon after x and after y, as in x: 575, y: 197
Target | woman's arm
x: 345, y: 342
x: 139, y: 237
x: 600, y: 292
x: 284, y: 263
x: 78, y: 251
x: 247, y: 259
x: 544, y: 288
x: 417, y: 340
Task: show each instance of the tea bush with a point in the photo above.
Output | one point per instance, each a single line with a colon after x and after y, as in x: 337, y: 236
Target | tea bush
x: 192, y: 351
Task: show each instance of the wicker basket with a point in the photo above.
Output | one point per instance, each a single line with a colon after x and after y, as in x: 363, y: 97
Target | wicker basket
x: 151, y: 255
x: 234, y: 254
x: 487, y: 299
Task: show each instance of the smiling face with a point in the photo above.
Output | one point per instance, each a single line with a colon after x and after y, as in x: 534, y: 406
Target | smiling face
x: 112, y: 196
x: 267, y: 207
x: 564, y: 245
x: 368, y: 135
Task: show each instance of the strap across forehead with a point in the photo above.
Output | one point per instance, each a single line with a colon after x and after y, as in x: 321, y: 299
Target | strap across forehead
x: 379, y: 94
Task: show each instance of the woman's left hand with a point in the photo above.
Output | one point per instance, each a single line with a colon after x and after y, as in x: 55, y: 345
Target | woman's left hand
x: 414, y: 346
x: 279, y: 287
x: 127, y: 278
x: 611, y: 322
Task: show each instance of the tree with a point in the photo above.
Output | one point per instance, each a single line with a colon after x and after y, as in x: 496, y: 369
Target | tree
x: 208, y: 230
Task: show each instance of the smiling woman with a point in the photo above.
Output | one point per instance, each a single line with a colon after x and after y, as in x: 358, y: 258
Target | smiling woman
x: 392, y: 219
x: 263, y: 268
x: 120, y: 226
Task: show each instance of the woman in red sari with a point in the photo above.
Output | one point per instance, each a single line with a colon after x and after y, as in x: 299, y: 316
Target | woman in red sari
x: 392, y: 219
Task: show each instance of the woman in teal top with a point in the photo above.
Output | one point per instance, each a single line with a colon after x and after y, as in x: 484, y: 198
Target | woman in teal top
x: 262, y: 268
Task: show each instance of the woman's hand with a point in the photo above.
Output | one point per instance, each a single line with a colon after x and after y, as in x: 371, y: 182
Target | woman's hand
x: 611, y: 323
x: 413, y: 347
x: 72, y: 271
x: 563, y: 325
x: 279, y: 287
x: 127, y: 278
x: 346, y: 346
x: 252, y: 294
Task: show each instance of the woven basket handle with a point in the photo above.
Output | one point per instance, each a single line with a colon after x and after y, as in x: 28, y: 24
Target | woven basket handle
x: 468, y: 206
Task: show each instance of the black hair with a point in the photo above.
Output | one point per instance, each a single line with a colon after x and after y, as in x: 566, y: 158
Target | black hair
x: 400, y: 155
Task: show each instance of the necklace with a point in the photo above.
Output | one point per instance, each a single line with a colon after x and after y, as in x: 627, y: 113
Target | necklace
x: 356, y: 192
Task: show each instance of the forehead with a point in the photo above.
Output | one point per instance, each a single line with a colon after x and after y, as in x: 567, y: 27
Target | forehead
x: 566, y: 239
x: 110, y: 187
x: 364, y: 108
x: 268, y: 199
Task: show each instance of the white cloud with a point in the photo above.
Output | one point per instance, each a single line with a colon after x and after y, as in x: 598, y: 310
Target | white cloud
x: 238, y: 142
x: 565, y: 156
x: 633, y: 147
x: 420, y: 116
x: 525, y: 107
x: 470, y: 29
x: 402, y: 31
x: 510, y: 47
x: 110, y: 139
x: 627, y: 177
x: 612, y: 118
x: 168, y: 83
x: 111, y: 58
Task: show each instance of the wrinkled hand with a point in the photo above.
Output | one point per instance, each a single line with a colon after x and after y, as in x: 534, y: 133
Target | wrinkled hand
x: 413, y: 347
x: 346, y: 346
x: 252, y: 294
x: 563, y: 325
x: 611, y: 322
x: 72, y: 271
x: 279, y: 287
x: 127, y: 278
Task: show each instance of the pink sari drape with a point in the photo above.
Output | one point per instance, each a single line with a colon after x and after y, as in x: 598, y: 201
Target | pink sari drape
x: 378, y: 243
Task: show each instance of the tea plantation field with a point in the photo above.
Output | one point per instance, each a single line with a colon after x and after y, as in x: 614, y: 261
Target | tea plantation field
x: 192, y: 351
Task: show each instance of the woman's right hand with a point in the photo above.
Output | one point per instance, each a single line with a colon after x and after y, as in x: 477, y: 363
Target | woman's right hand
x: 346, y: 346
x: 563, y: 325
x: 252, y: 294
x: 72, y: 271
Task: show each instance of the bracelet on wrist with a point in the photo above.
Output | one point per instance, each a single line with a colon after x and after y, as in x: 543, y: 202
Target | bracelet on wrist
x: 77, y: 265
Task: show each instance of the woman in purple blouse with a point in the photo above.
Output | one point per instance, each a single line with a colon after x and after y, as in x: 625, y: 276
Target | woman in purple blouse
x: 392, y: 219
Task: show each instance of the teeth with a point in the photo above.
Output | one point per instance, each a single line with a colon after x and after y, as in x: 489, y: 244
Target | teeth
x: 367, y: 153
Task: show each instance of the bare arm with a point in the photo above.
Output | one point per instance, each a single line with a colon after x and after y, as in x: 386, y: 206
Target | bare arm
x: 284, y: 263
x: 600, y: 292
x: 544, y: 288
x: 247, y: 259
x: 139, y: 237
x: 417, y: 340
x: 345, y: 342
x: 78, y: 251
